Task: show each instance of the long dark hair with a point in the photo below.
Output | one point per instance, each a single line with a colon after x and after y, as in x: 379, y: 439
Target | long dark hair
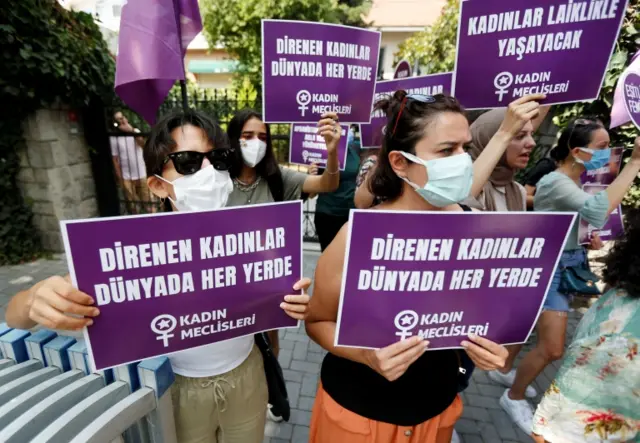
x: 577, y: 134
x: 622, y: 265
x: 268, y: 168
x: 402, y: 133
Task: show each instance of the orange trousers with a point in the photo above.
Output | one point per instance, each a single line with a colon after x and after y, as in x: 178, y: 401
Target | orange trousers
x: 331, y: 423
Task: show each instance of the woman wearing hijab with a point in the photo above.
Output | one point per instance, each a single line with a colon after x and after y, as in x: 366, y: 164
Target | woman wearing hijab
x: 503, y: 193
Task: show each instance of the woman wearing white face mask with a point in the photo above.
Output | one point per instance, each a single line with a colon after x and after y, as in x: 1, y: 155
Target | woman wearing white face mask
x: 399, y: 394
x: 220, y: 390
x: 257, y: 177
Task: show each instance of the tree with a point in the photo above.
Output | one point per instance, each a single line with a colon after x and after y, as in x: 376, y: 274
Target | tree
x: 435, y: 47
x: 236, y: 24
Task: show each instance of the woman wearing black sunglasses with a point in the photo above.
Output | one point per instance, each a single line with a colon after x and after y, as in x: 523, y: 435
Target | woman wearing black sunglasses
x: 220, y: 389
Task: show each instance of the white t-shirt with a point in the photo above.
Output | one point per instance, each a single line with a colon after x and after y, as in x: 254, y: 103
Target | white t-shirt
x: 214, y: 359
x: 130, y: 155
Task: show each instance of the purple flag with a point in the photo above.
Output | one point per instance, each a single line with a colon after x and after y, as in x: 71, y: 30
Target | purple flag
x: 154, y: 35
x: 306, y: 146
x: 169, y: 282
x: 619, y: 114
x: 445, y: 275
x: 509, y: 49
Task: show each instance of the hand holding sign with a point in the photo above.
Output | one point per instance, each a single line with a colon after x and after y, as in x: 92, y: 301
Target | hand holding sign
x: 297, y: 306
x: 53, y: 298
x: 394, y: 360
x: 485, y: 354
x: 520, y: 112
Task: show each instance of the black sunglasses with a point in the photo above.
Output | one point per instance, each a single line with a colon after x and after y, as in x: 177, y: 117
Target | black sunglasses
x: 190, y: 162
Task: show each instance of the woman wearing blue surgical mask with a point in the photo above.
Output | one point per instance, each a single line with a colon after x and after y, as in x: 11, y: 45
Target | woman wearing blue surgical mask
x: 220, y: 392
x: 399, y: 393
x: 583, y: 146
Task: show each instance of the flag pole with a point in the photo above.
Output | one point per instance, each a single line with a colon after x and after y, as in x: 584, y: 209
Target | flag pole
x: 185, y: 100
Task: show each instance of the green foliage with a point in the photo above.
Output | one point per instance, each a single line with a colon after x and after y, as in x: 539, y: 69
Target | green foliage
x: 49, y: 56
x: 435, y: 47
x: 236, y: 25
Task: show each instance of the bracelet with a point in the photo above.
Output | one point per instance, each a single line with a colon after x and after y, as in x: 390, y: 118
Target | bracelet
x: 333, y: 173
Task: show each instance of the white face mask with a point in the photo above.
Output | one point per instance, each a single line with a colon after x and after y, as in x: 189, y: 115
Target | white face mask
x: 205, y: 190
x: 253, y: 151
x: 449, y: 179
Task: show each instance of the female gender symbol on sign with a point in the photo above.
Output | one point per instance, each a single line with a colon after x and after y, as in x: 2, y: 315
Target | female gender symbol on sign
x: 405, y: 321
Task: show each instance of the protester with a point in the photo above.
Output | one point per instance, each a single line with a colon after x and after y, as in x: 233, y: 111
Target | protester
x: 332, y: 209
x: 257, y: 177
x: 220, y: 389
x: 502, y: 192
x: 596, y: 394
x: 399, y: 393
x: 129, y: 167
x: 560, y: 190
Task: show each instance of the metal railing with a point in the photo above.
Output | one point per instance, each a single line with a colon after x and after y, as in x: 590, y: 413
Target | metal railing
x: 48, y: 394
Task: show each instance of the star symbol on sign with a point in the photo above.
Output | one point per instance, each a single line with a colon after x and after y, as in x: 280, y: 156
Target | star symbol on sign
x: 503, y: 80
x: 304, y: 97
x: 163, y: 324
x: 406, y: 320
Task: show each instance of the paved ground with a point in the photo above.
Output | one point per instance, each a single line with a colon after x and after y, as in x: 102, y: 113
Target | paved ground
x: 482, y: 421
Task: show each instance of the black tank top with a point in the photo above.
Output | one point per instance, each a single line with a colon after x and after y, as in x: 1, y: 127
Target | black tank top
x: 427, y: 388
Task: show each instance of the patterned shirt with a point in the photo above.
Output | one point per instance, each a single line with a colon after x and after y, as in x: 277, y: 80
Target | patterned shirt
x: 596, y: 394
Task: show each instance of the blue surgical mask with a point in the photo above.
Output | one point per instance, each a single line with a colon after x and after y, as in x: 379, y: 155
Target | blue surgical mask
x: 599, y: 158
x: 449, y: 179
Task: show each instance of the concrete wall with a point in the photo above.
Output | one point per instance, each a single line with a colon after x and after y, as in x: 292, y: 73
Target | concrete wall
x: 55, y: 175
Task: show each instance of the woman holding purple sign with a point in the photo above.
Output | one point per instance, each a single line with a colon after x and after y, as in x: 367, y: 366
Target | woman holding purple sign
x: 584, y: 146
x: 400, y: 393
x: 220, y: 389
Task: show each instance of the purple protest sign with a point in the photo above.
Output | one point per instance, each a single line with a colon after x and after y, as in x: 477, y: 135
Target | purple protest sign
x: 309, y: 69
x: 610, y: 231
x: 169, y: 282
x: 508, y: 49
x: 403, y: 70
x: 608, y: 173
x: 306, y: 146
x: 445, y: 275
x: 631, y: 91
x: 371, y: 134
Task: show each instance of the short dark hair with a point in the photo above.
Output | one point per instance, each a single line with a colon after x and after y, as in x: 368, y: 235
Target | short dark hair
x: 268, y: 167
x: 403, y: 133
x: 160, y: 143
x: 622, y: 265
x: 577, y: 134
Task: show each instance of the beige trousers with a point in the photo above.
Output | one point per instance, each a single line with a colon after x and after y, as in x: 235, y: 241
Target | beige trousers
x: 227, y: 408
